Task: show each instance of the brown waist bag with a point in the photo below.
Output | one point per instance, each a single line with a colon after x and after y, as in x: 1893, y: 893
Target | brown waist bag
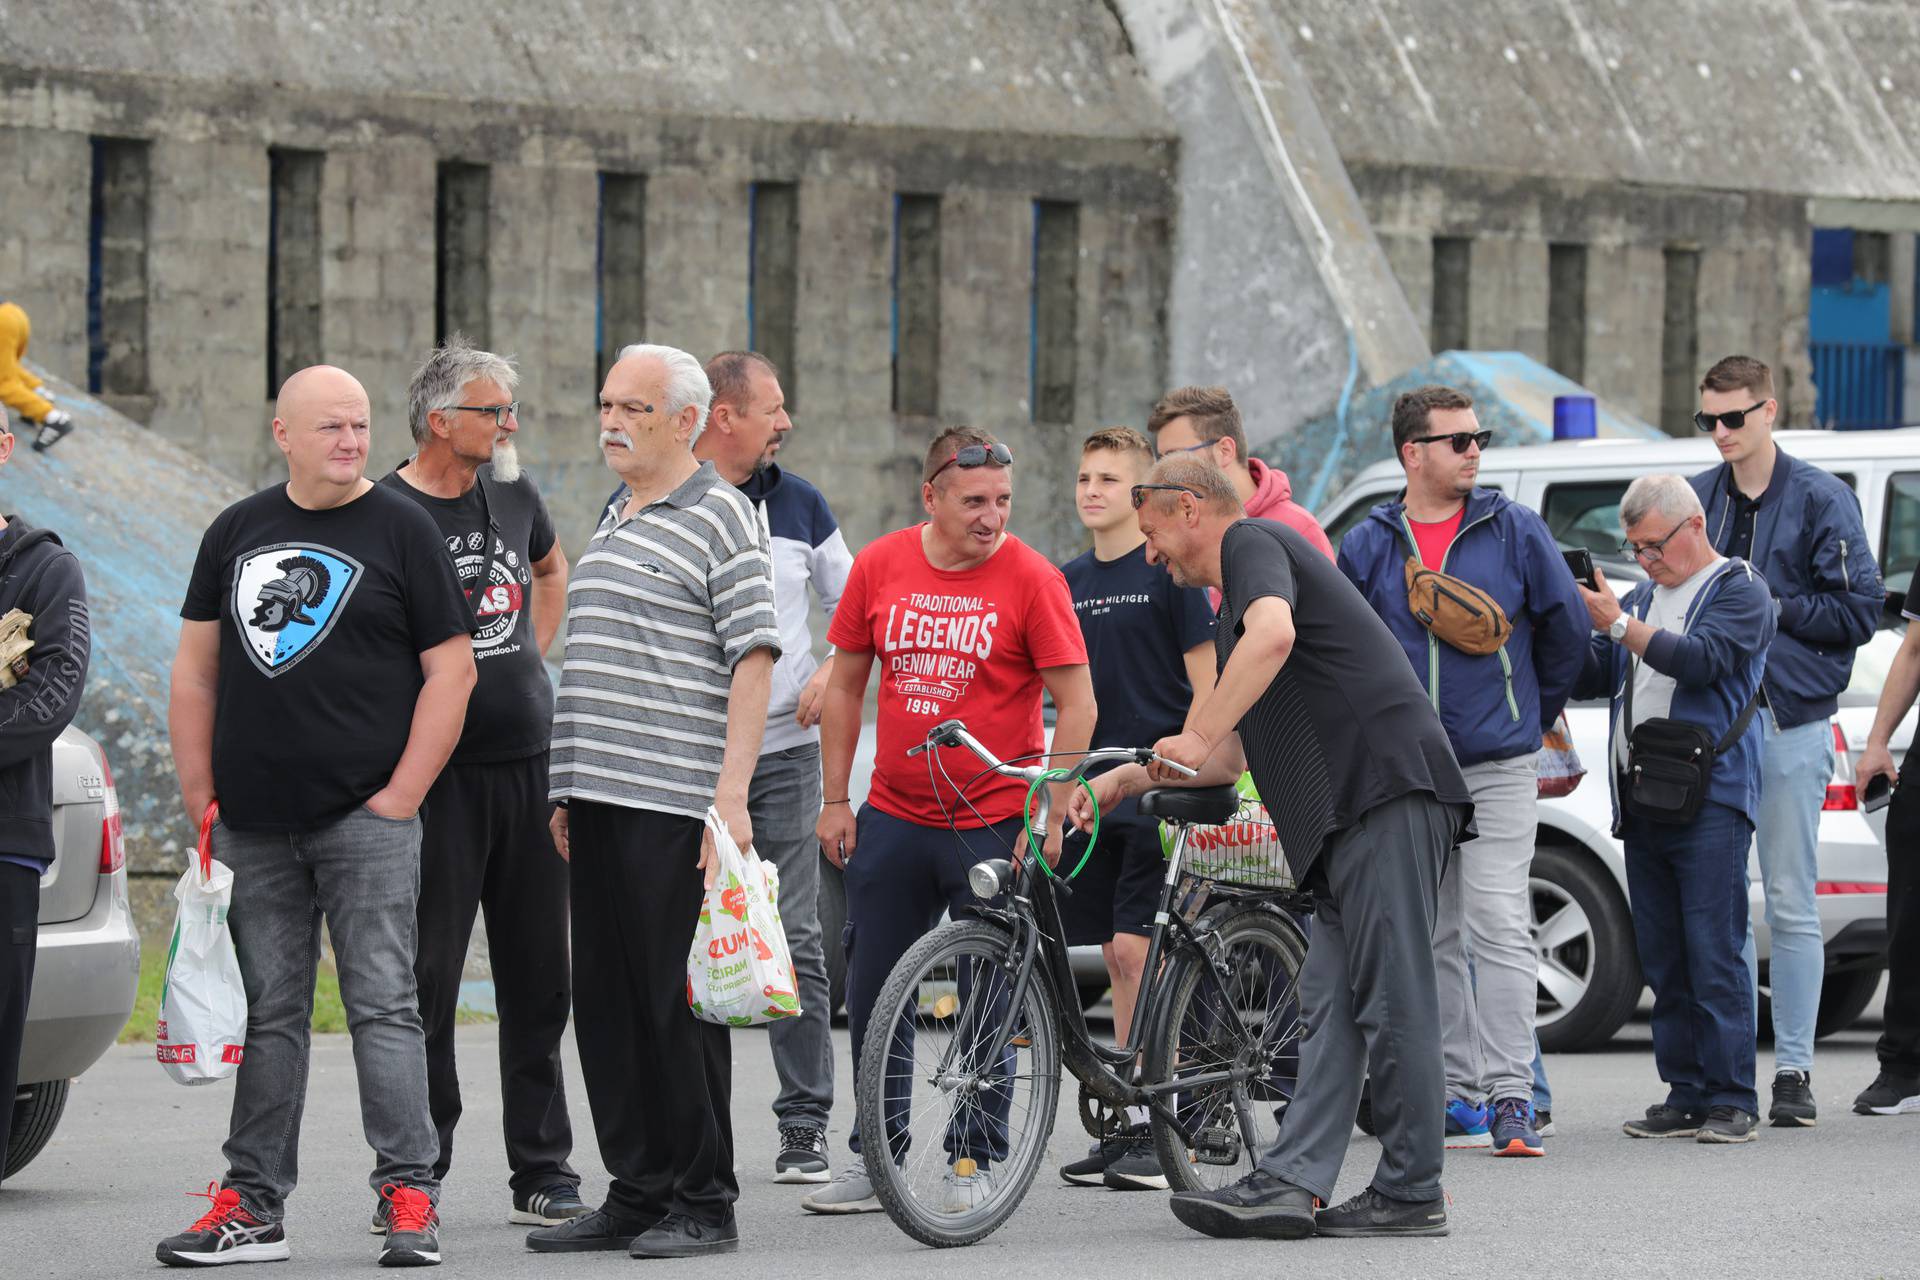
x: 1458, y: 612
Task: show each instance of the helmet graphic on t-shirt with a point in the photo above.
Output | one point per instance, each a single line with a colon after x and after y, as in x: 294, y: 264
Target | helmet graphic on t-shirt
x: 286, y: 599
x: 281, y: 601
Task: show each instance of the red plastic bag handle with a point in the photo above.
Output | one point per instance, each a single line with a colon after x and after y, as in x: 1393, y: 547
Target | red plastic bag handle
x: 207, y: 819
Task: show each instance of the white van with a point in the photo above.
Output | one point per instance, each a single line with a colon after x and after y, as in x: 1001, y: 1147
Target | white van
x: 1590, y: 979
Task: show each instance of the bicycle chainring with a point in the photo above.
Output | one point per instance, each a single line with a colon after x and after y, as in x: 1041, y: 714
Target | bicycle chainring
x: 1100, y: 1118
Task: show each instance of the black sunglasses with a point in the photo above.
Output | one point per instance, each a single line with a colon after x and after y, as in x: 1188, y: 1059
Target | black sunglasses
x: 1732, y: 419
x: 1140, y: 492
x: 1458, y: 439
x: 970, y: 456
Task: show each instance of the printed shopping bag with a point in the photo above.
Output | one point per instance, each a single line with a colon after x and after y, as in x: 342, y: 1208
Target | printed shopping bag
x: 202, y: 1031
x: 740, y: 970
x: 1243, y: 850
x: 1558, y: 768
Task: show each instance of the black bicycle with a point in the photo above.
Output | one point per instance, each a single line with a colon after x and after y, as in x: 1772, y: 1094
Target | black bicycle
x: 984, y: 1011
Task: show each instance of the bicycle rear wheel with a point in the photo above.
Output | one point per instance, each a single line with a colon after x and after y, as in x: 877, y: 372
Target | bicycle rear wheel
x: 1230, y: 1007
x: 956, y: 1104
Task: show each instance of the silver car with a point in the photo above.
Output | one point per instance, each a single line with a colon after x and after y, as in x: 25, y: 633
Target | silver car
x: 88, y: 960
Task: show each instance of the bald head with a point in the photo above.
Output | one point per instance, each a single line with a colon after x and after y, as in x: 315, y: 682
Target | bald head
x: 322, y: 422
x: 317, y: 389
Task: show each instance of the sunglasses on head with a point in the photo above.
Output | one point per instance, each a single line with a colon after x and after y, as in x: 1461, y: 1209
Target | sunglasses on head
x: 1732, y: 419
x: 969, y: 456
x: 1458, y: 439
x: 1140, y: 492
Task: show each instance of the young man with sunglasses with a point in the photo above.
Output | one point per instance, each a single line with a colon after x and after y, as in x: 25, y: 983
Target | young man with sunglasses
x: 965, y: 622
x: 1494, y: 706
x: 1204, y: 422
x: 1800, y: 527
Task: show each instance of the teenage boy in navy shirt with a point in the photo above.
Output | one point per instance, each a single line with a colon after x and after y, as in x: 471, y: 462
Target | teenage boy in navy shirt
x: 1150, y: 645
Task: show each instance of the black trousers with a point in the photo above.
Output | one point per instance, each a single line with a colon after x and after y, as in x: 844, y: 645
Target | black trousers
x: 1900, y: 1042
x: 659, y: 1080
x: 485, y: 846
x: 19, y: 931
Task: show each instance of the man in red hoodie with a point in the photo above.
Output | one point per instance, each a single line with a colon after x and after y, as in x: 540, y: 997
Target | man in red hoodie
x: 1204, y: 420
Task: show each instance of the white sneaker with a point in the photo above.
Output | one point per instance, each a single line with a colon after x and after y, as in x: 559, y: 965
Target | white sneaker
x: 963, y: 1192
x: 850, y: 1192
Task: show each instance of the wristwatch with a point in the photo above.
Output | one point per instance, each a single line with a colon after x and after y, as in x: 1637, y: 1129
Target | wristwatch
x: 1617, y: 629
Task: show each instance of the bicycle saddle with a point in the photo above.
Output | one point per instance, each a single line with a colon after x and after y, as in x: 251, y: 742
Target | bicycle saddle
x: 1205, y: 806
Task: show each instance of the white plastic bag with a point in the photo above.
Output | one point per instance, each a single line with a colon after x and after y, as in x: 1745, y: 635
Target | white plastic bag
x: 202, y: 1032
x: 739, y: 969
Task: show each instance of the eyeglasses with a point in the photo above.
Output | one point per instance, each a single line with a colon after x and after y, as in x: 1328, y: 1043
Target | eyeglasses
x: 1458, y: 439
x: 969, y: 456
x: 500, y: 412
x: 1650, y: 550
x: 1140, y: 491
x: 1732, y: 419
x: 1185, y: 448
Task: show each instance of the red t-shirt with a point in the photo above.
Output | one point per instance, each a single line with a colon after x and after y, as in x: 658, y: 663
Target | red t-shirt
x: 1434, y: 539
x: 966, y: 646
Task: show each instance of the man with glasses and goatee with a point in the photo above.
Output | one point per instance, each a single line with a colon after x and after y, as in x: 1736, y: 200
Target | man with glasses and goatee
x: 485, y: 845
x: 1495, y: 701
x: 965, y: 622
x: 1800, y: 528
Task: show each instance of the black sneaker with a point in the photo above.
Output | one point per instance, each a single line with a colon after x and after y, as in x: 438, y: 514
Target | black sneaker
x: 413, y: 1228
x: 595, y: 1229
x: 1729, y: 1124
x: 678, y: 1236
x: 1663, y: 1121
x: 378, y: 1227
x: 1372, y: 1214
x: 1889, y: 1095
x: 1543, y: 1122
x: 1135, y: 1167
x: 228, y: 1232
x: 1792, y: 1100
x: 551, y: 1205
x: 803, y: 1154
x: 1259, y: 1205
x: 1092, y: 1171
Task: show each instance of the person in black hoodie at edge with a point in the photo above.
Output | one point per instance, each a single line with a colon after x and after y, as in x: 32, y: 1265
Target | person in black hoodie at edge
x: 40, y: 577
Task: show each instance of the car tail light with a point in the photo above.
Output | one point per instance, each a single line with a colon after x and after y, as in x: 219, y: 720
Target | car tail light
x: 1825, y: 888
x: 113, y: 844
x: 1841, y: 793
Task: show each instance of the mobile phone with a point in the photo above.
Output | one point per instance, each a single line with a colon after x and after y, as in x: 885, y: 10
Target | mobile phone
x: 1580, y: 561
x: 1879, y: 793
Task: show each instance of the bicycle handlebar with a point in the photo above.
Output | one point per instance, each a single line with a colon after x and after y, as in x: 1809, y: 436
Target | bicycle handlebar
x: 953, y: 733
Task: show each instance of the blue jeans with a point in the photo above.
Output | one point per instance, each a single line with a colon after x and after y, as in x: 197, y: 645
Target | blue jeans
x: 1795, y: 767
x: 1688, y: 890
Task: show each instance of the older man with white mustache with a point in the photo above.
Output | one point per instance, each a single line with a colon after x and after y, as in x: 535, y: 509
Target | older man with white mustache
x: 485, y: 842
x: 671, y: 641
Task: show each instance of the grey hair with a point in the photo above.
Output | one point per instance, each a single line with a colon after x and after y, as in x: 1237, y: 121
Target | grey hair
x: 1213, y: 487
x: 687, y: 382
x: 1669, y: 495
x: 441, y: 382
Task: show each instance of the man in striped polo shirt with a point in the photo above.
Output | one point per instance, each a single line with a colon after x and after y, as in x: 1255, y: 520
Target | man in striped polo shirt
x: 671, y: 641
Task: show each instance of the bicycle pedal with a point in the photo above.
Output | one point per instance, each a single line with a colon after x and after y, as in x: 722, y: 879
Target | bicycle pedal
x: 1217, y: 1144
x: 1020, y: 1040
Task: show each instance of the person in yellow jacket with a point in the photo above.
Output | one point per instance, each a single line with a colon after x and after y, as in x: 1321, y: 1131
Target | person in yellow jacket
x: 20, y: 386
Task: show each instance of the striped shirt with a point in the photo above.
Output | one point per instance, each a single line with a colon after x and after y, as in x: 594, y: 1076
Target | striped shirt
x: 660, y: 609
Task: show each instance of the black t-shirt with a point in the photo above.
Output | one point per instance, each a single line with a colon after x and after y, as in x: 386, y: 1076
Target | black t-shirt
x: 324, y: 615
x: 510, y: 715
x: 1345, y: 725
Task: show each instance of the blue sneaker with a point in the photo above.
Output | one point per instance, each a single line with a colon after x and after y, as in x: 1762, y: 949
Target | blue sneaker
x: 1512, y: 1129
x: 1466, y: 1125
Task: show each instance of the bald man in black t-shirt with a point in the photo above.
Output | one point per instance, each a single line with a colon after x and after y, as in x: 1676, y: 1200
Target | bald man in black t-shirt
x: 1316, y: 699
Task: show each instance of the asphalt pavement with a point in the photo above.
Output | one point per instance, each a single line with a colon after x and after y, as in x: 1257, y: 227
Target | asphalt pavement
x: 1840, y: 1200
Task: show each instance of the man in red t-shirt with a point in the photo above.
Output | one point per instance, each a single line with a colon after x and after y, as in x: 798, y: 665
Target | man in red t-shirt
x: 965, y: 622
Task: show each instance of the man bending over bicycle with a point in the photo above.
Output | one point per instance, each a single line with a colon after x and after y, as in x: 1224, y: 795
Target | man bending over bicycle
x: 968, y: 622
x: 1315, y: 698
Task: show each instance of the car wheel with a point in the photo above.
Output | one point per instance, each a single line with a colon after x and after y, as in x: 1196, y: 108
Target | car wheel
x: 34, y: 1117
x: 1583, y: 935
x: 833, y: 927
x: 1844, y: 996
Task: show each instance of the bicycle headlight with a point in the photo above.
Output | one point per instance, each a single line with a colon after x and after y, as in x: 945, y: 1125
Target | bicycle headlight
x: 990, y: 879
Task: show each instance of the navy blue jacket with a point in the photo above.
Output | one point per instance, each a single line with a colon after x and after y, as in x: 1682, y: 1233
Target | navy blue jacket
x: 1716, y: 664
x: 1495, y: 706
x: 1810, y: 546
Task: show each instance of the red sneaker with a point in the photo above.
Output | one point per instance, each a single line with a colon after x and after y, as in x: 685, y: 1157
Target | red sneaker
x: 228, y: 1232
x: 413, y: 1228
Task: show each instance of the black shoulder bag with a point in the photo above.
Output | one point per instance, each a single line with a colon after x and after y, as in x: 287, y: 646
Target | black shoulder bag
x: 1670, y: 762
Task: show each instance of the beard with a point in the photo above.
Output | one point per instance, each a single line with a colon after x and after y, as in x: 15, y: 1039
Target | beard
x: 506, y: 462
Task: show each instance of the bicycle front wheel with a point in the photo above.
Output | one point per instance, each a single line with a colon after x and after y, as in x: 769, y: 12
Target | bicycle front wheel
x: 958, y: 1087
x: 1232, y: 1013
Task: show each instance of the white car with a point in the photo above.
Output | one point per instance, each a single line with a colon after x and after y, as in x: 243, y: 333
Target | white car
x: 1590, y: 978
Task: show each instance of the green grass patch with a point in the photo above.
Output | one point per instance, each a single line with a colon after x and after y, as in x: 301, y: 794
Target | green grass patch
x: 329, y: 1014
